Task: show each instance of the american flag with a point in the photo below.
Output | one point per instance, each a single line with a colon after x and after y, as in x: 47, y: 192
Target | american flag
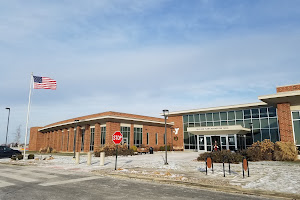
x: 44, y: 83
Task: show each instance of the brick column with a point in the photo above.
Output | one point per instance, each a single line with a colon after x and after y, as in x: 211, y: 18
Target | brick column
x: 132, y: 135
x: 71, y: 139
x: 178, y: 123
x: 87, y: 138
x: 78, y: 139
x: 111, y: 128
x: 65, y: 141
x: 51, y: 139
x: 59, y: 140
x: 285, y: 122
x: 144, y: 136
x: 97, y: 136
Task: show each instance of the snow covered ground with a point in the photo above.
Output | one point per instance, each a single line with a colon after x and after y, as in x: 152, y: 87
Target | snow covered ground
x: 267, y: 175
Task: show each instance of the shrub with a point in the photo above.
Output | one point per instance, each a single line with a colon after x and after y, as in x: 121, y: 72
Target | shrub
x: 163, y: 148
x: 260, y: 151
x: 31, y: 156
x: 19, y: 156
x: 49, y: 149
x: 134, y: 148
x: 110, y: 150
x: 285, y: 151
x: 220, y: 156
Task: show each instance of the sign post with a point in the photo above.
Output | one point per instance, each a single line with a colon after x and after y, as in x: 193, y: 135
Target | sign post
x: 117, y: 138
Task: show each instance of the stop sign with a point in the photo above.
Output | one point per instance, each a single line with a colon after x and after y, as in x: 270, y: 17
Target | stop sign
x: 117, y: 137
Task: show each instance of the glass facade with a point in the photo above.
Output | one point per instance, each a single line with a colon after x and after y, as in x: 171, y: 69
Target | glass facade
x: 138, y: 136
x: 92, y: 139
x: 264, y: 120
x: 296, y: 125
x: 103, y: 135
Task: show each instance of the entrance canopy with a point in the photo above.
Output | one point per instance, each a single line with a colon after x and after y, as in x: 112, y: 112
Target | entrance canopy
x: 219, y: 130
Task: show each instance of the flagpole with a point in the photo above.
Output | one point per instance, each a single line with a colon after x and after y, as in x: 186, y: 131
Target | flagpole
x: 31, y: 79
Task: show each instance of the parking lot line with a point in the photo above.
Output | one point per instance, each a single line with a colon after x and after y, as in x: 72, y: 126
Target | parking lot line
x: 17, y: 177
x: 71, y: 181
x: 5, y: 184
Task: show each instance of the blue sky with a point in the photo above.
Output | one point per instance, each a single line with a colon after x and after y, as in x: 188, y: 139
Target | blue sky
x: 142, y: 56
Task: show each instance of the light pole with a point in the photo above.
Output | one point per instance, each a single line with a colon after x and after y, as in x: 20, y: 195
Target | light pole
x: 7, y: 125
x: 76, y: 121
x: 166, y: 113
x: 251, y: 127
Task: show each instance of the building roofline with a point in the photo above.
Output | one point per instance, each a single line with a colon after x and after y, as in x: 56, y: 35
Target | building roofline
x: 219, y: 108
x: 287, y: 85
x: 106, y: 117
x: 282, y: 97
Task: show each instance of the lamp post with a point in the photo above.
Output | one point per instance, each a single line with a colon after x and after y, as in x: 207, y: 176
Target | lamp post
x: 7, y: 125
x: 166, y: 113
x: 251, y: 127
x: 76, y: 121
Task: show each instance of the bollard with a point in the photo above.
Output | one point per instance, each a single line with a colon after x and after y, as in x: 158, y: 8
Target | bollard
x: 102, y: 156
x: 89, y: 158
x: 77, y: 158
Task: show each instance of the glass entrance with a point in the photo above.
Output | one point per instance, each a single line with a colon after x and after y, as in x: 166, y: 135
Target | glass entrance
x: 224, y: 142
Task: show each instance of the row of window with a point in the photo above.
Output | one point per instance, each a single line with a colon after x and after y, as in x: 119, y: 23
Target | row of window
x: 138, y: 137
x: 264, y: 124
x: 254, y: 113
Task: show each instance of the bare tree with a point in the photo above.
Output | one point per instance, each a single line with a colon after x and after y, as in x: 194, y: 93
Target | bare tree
x: 18, y: 134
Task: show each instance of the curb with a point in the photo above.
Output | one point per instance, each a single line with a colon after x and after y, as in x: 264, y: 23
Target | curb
x: 226, y: 189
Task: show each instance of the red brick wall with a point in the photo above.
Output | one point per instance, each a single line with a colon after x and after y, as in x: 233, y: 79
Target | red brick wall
x: 97, y: 136
x: 78, y: 139
x: 87, y: 138
x: 55, y: 138
x: 284, y: 115
x: 36, y: 139
x: 285, y: 122
x: 178, y: 123
x: 71, y: 140
x: 288, y: 88
x: 152, y: 130
x: 111, y: 128
x: 131, y: 135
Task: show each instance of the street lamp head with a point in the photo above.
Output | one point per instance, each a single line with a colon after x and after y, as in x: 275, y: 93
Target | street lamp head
x: 165, y: 112
x: 251, y: 124
x: 7, y: 108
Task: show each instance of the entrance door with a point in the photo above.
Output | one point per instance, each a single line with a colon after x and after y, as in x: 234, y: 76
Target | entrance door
x: 216, y: 140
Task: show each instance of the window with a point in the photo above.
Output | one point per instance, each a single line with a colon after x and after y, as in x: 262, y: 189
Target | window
x: 138, y: 136
x: 126, y: 135
x: 147, y: 138
x: 68, y: 139
x: 92, y: 139
x: 296, y: 125
x: 82, y: 139
x: 103, y: 135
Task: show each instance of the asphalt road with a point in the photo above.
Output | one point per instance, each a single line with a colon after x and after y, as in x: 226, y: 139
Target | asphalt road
x: 25, y: 182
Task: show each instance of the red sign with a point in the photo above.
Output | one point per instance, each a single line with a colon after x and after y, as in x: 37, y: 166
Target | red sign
x: 117, y: 137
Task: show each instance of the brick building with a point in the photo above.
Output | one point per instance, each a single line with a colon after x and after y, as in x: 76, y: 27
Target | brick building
x: 96, y: 130
x: 275, y: 117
